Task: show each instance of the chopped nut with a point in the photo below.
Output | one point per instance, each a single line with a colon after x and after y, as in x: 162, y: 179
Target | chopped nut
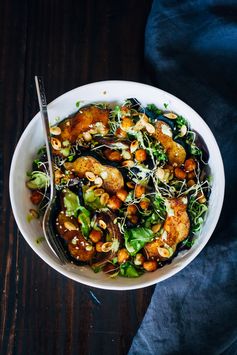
x: 90, y: 176
x: 56, y: 144
x: 156, y: 227
x: 87, y: 136
x: 55, y: 130
x: 164, y: 252
x: 141, y: 123
x: 170, y: 115
x: 133, y: 146
x: 150, y: 128
x: 183, y: 131
x: 128, y: 163
x: 160, y: 174
x: 106, y: 247
x: 102, y: 224
x: 98, y: 181
x: 70, y: 226
x: 104, y: 198
x: 99, y: 192
x: 126, y: 155
x: 89, y: 247
x: 139, y: 259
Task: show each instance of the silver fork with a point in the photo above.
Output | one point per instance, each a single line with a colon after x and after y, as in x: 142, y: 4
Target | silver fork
x: 50, y: 213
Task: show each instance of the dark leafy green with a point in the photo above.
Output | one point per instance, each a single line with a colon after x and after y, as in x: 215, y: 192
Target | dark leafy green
x: 129, y: 270
x: 72, y: 206
x: 38, y: 180
x: 136, y: 238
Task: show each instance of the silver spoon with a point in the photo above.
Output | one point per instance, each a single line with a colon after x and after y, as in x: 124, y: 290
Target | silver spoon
x: 50, y: 213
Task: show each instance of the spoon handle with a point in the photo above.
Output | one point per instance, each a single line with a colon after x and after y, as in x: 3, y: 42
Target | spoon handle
x: 39, y: 83
x: 51, y: 210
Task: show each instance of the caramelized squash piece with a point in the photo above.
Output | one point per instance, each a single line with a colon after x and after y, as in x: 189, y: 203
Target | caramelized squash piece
x: 65, y: 223
x: 177, y: 223
x: 79, y: 247
x: 112, y: 177
x: 88, y: 118
x: 175, y: 152
x: 175, y: 229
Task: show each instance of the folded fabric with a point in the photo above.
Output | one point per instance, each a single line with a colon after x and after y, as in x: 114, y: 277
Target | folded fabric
x: 191, y: 51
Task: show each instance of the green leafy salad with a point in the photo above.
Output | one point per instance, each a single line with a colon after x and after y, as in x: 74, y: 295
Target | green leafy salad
x: 132, y: 186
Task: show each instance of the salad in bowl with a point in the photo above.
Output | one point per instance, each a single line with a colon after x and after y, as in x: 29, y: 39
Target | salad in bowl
x: 132, y: 186
x: 139, y: 180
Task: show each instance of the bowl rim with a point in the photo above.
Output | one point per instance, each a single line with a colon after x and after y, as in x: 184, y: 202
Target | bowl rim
x: 64, y: 270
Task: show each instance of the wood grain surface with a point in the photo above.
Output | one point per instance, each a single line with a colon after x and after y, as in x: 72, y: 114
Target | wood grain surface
x: 70, y: 43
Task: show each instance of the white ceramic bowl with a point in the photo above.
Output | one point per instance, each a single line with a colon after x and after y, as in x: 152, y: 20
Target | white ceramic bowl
x: 32, y: 139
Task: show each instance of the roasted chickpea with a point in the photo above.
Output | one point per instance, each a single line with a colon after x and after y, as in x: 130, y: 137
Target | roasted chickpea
x: 36, y: 197
x: 190, y: 165
x: 126, y: 123
x: 150, y: 265
x: 144, y: 204
x: 123, y: 256
x: 139, y: 190
x: 112, y: 155
x: 95, y: 235
x: 114, y: 203
x: 122, y: 194
x: 131, y: 209
x: 133, y: 218
x: 130, y: 185
x: 201, y: 197
x: 180, y: 173
x: 98, y: 247
x: 140, y: 155
x: 191, y: 183
x: 121, y: 133
x: 191, y: 175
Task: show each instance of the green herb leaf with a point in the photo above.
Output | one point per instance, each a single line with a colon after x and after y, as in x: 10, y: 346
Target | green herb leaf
x: 39, y: 180
x: 136, y: 238
x: 84, y: 219
x: 180, y: 121
x: 196, y: 212
x: 71, y: 203
x: 154, y: 109
x: 129, y: 270
x: 91, y: 200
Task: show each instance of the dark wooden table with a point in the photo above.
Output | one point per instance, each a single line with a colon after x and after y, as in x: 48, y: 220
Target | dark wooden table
x: 70, y: 43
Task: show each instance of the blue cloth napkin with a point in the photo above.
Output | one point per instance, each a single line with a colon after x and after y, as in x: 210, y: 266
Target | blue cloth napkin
x: 191, y: 51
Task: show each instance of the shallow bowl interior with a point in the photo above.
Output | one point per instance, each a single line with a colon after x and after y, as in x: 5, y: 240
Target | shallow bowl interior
x: 32, y: 139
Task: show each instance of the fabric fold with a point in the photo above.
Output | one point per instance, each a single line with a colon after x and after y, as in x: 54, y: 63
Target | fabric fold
x: 191, y: 52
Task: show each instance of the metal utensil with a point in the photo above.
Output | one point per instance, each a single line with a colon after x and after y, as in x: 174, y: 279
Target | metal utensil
x: 50, y: 213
